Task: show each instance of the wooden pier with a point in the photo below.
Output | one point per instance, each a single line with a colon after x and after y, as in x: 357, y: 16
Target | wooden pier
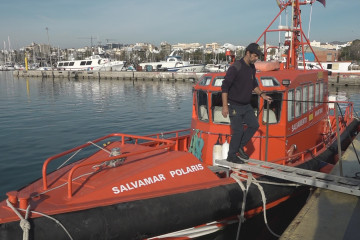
x: 329, y: 214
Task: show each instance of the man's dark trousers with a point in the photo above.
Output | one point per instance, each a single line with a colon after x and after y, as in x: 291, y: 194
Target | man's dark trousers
x: 240, y: 114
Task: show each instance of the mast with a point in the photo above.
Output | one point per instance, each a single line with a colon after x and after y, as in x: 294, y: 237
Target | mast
x: 295, y: 38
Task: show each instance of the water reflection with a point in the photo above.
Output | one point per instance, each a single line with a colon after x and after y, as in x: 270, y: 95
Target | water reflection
x: 351, y: 93
x: 42, y: 117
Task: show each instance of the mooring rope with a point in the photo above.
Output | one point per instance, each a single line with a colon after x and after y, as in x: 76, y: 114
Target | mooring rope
x: 251, y: 179
x: 245, y: 191
x: 25, y: 224
x: 56, y: 221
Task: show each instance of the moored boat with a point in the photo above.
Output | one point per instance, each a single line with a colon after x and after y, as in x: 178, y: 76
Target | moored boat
x: 173, y: 63
x: 168, y: 185
x: 93, y: 63
x: 343, y: 68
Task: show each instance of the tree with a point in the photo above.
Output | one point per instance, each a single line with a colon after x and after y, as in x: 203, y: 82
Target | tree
x: 351, y: 53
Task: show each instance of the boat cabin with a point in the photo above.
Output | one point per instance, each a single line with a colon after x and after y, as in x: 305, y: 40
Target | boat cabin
x: 295, y: 121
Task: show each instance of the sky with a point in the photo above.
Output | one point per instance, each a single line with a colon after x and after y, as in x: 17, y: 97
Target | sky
x: 72, y: 23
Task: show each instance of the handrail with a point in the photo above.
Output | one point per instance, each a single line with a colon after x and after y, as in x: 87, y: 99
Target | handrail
x: 346, y: 117
x: 303, y: 153
x: 168, y: 133
x: 121, y: 135
x: 73, y: 169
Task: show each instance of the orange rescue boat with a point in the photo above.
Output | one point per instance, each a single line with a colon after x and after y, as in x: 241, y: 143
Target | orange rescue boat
x: 167, y: 185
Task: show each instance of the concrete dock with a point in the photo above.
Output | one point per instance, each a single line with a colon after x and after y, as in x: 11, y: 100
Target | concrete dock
x: 335, y: 80
x: 120, y: 75
x: 344, y: 80
x: 329, y: 214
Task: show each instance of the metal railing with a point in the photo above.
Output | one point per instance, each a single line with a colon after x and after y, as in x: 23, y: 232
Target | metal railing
x: 159, y: 144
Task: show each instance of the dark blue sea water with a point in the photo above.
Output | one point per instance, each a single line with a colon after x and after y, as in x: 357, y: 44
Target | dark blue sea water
x: 42, y: 117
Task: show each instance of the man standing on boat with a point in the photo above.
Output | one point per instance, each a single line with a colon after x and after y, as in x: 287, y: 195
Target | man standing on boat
x: 237, y: 88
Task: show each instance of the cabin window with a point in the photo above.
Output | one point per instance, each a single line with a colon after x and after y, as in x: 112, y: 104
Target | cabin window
x: 61, y: 64
x: 205, y: 80
x: 317, y: 94
x: 71, y: 64
x: 66, y: 64
x: 216, y: 107
x: 298, y: 102
x: 291, y: 105
x: 305, y: 99
x: 321, y: 92
x: 269, y: 82
x: 274, y: 108
x: 311, y: 97
x: 82, y: 63
x: 88, y: 62
x: 218, y: 81
x: 203, y: 112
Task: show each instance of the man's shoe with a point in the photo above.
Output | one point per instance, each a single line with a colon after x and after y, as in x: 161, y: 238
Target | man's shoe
x: 242, y: 154
x: 234, y: 159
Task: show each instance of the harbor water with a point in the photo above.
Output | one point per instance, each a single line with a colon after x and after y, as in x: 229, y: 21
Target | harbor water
x: 40, y: 117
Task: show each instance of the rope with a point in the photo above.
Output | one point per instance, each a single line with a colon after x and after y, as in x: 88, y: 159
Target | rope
x: 196, y: 145
x: 250, y: 179
x: 99, y: 147
x: 24, y: 223
x: 69, y: 158
x: 55, y: 220
x: 350, y: 138
x: 264, y: 207
x: 245, y: 191
x: 64, y: 184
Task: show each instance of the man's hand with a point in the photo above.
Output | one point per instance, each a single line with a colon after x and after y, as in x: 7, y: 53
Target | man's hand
x: 225, y: 108
x: 225, y: 111
x: 267, y: 98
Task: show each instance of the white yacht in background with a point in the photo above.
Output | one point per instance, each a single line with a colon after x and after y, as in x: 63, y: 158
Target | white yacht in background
x: 216, y: 67
x: 172, y: 64
x: 337, y: 67
x: 93, y: 63
x: 7, y: 67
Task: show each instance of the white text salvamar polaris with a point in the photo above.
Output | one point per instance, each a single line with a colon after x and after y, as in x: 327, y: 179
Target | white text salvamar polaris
x: 156, y: 178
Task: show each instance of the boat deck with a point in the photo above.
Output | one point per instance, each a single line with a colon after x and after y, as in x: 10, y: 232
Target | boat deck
x: 329, y: 214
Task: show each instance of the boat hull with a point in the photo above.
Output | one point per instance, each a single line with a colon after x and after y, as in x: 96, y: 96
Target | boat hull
x: 191, y: 68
